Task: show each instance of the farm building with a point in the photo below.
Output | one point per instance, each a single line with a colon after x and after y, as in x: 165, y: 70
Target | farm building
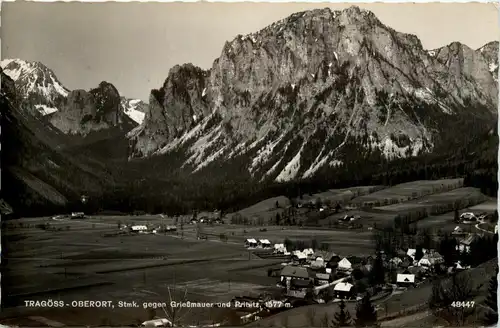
x: 299, y: 257
x: 139, y: 228
x: 264, y: 243
x: 405, y: 280
x: 343, y: 290
x: 296, y: 272
x: 468, y: 217
x: 464, y: 244
x: 251, y: 243
x: 77, y: 215
x: 318, y: 262
x: 308, y: 252
x: 322, y: 278
x: 157, y: 323
x: 297, y: 280
x: 431, y: 258
x: 344, y: 265
x: 279, y: 248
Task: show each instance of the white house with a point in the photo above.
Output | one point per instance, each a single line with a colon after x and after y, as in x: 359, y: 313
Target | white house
x: 344, y: 264
x: 308, y: 252
x: 264, y: 243
x: 343, y: 290
x: 299, y: 255
x: 404, y: 280
x: 250, y: 243
x: 464, y: 244
x: 157, y: 323
x: 279, y: 248
x: 139, y: 228
x: 431, y: 258
x: 318, y: 262
x: 468, y: 217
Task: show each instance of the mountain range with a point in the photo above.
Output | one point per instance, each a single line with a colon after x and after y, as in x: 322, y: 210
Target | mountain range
x: 314, y: 92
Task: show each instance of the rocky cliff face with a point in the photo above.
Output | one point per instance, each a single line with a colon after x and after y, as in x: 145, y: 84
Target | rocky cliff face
x: 83, y: 112
x: 73, y: 112
x: 464, y: 61
x: 41, y: 91
x: 490, y: 54
x: 320, y: 88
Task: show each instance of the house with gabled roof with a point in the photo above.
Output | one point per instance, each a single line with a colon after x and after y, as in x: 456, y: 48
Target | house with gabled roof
x: 343, y: 290
x: 465, y: 243
x: 405, y: 279
x: 264, y: 243
x: 251, y: 243
x: 344, y: 265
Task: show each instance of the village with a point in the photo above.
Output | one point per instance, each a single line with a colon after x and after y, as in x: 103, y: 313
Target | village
x: 320, y: 276
x: 363, y: 245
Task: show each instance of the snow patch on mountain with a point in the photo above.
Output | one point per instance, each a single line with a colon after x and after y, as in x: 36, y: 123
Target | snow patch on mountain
x: 34, y: 76
x: 45, y: 110
x: 135, y: 109
x: 493, y: 67
x: 291, y: 169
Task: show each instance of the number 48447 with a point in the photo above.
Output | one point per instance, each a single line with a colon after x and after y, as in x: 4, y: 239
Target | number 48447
x: 463, y: 304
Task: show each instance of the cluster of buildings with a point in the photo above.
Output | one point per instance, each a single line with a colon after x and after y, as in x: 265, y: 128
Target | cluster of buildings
x: 148, y: 229
x: 310, y: 273
x: 252, y: 243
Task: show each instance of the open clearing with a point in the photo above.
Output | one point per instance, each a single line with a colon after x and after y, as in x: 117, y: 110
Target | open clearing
x: 339, y: 195
x: 443, y: 199
x: 406, y: 191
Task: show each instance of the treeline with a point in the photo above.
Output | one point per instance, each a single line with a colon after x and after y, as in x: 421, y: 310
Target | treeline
x: 152, y: 189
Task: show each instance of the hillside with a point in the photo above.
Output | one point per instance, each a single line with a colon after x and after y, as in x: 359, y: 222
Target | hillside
x: 34, y: 168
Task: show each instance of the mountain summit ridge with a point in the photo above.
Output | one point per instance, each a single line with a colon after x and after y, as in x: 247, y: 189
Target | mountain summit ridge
x: 302, y: 93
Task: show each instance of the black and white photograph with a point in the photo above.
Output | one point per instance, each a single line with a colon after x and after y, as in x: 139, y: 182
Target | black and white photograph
x: 230, y: 164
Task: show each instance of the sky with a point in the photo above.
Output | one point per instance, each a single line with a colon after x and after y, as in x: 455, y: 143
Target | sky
x: 134, y: 45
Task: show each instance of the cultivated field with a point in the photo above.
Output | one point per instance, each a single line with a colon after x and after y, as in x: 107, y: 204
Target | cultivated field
x: 339, y: 195
x: 406, y: 191
x: 79, y: 263
x: 82, y: 260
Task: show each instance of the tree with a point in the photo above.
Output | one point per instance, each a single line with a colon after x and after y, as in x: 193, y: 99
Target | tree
x: 419, y: 253
x: 176, y: 314
x: 446, y: 293
x: 366, y: 316
x: 278, y: 219
x: 343, y: 317
x: 456, y: 216
x: 491, y: 317
x: 447, y: 248
x: 377, y: 273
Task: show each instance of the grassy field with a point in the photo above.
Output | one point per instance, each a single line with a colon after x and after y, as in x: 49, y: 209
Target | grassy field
x: 339, y: 195
x: 84, y: 265
x: 406, y: 191
x: 341, y: 242
x: 444, y: 201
